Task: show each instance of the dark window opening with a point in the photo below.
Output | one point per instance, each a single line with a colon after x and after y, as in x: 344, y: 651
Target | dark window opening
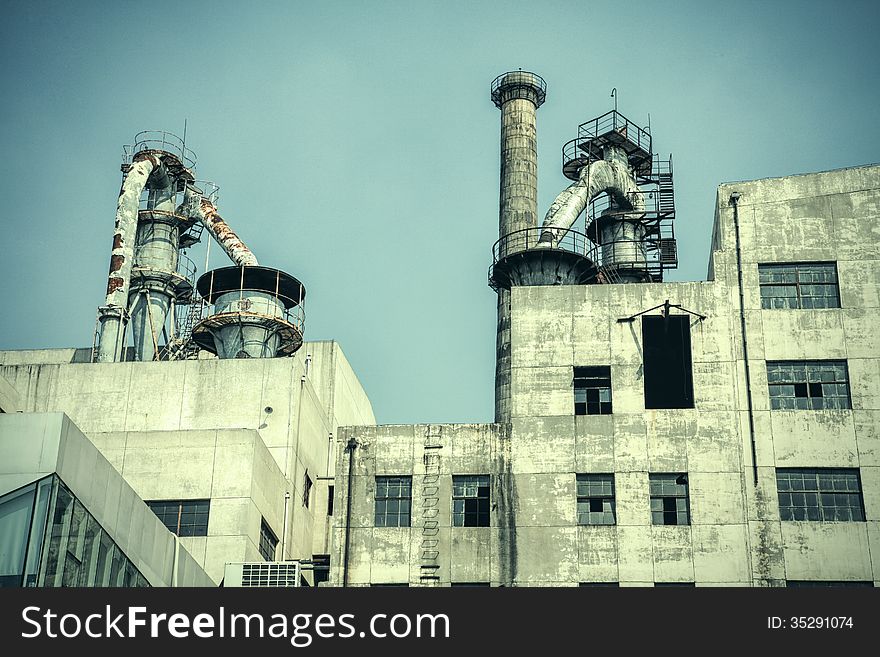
x: 808, y: 384
x: 393, y: 501
x: 592, y: 390
x: 268, y: 541
x: 669, y: 499
x: 595, y: 499
x: 470, y: 501
x: 183, y: 517
x: 307, y: 489
x: 667, y: 352
x: 330, y: 492
x: 321, y: 568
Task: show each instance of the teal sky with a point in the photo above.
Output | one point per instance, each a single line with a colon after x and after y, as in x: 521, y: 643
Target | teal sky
x: 356, y: 146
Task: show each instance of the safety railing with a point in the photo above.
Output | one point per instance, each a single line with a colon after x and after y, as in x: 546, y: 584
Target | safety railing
x: 159, y: 140
x: 514, y: 79
x: 289, y: 309
x: 207, y: 189
x: 614, y: 122
x: 186, y: 268
x: 653, y: 255
x: 529, y: 239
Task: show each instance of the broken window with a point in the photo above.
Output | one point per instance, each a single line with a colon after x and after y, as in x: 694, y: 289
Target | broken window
x: 592, y: 390
x: 183, y: 517
x: 470, y: 501
x: 820, y: 494
x: 808, y: 384
x: 667, y: 352
x: 595, y: 499
x: 669, y: 499
x: 393, y: 501
x: 799, y: 285
x: 268, y: 541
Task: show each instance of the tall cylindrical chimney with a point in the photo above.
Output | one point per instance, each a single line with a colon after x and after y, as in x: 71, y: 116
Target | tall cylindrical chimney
x: 518, y: 94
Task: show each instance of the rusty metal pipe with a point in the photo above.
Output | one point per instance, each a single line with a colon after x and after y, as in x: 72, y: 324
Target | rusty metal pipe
x: 200, y: 208
x: 112, y: 315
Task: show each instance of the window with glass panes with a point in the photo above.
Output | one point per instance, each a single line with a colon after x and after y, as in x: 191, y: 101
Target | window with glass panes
x: 393, y: 501
x: 820, y: 494
x: 595, y: 499
x: 592, y: 390
x: 183, y: 517
x: 808, y: 384
x: 268, y: 541
x: 799, y: 285
x: 470, y: 501
x: 669, y: 499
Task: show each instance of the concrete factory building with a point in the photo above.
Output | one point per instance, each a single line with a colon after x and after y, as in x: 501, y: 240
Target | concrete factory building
x: 722, y: 432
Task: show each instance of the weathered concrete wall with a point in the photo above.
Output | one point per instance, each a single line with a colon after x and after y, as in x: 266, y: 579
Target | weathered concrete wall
x: 831, y: 216
x: 231, y: 467
x: 183, y: 408
x: 735, y: 537
x: 382, y: 555
x: 10, y: 400
x: 35, y: 445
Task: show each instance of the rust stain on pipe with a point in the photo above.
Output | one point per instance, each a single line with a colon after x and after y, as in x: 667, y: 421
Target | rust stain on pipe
x: 198, y: 207
x: 122, y: 256
x: 114, y: 284
x: 231, y: 243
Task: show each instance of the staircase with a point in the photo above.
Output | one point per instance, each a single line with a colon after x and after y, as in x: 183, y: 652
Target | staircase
x: 666, y: 197
x: 430, y: 566
x: 608, y: 275
x: 182, y: 347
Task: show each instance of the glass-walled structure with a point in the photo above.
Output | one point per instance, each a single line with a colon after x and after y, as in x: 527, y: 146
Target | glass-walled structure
x: 49, y: 538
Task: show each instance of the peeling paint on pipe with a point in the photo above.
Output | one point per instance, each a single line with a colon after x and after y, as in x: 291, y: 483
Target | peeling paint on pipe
x: 122, y: 257
x: 198, y: 207
x: 601, y: 176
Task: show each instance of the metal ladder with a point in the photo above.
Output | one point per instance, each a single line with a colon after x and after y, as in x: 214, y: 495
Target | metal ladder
x: 666, y: 192
x: 431, y: 507
x: 182, y: 347
x: 608, y: 274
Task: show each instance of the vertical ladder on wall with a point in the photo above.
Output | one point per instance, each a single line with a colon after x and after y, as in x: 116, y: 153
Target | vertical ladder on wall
x: 430, y: 566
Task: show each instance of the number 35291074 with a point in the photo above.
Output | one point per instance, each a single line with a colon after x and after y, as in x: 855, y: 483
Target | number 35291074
x: 810, y: 623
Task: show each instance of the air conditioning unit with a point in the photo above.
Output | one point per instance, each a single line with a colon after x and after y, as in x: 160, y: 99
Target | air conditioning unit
x: 264, y: 573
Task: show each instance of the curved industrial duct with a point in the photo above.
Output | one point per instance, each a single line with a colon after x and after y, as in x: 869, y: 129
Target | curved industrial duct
x: 611, y: 176
x: 122, y: 256
x: 198, y: 207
